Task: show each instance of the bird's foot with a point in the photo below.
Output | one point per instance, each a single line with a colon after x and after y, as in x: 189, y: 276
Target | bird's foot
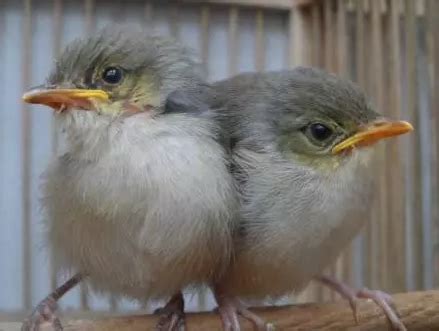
x: 172, y: 315
x: 45, y: 310
x: 381, y: 299
x: 44, y: 313
x: 230, y: 308
x: 386, y: 303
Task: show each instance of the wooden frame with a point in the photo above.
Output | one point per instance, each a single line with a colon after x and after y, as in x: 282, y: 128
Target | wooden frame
x: 272, y: 4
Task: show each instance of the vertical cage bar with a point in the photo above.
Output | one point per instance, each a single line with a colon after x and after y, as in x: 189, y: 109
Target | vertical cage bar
x: 342, y: 56
x: 359, y: 77
x: 361, y: 80
x: 360, y: 43
x: 89, y: 26
x: 372, y: 227
x: 295, y: 38
x: 300, y: 34
x: 174, y: 18
x: 260, y: 41
x: 149, y: 17
x: 395, y: 174
x: 329, y: 35
x: 233, y: 40
x: 380, y: 224
x: 340, y: 21
x: 414, y: 230
x: 432, y: 13
x: 204, y: 42
x: 421, y: 25
x: 428, y: 221
x: 57, y: 38
x: 329, y: 64
x: 345, y: 262
x: 89, y: 19
x: 118, y: 15
x: 316, y: 17
x: 114, y: 303
x: 26, y: 127
x: 290, y: 54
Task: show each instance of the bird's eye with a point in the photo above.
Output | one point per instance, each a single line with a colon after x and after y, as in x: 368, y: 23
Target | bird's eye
x: 112, y: 75
x: 319, y: 131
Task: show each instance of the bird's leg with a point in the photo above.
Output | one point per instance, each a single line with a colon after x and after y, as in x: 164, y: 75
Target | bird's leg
x: 172, y: 315
x: 381, y: 299
x: 344, y: 290
x: 44, y: 312
x: 229, y: 308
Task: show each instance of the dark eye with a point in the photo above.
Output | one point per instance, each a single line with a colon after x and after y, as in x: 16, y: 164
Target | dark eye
x: 320, y: 131
x: 112, y: 75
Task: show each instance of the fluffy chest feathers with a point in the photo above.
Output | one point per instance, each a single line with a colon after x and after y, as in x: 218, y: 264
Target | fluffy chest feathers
x: 302, y: 217
x: 143, y: 208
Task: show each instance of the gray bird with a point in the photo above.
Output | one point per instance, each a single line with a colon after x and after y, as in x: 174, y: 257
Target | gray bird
x: 142, y: 202
x: 299, y: 141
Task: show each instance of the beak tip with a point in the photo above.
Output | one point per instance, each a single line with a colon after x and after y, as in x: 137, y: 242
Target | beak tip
x: 409, y: 126
x: 28, y: 96
x: 25, y: 98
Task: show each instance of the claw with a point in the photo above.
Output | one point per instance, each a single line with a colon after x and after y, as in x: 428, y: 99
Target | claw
x: 353, y: 302
x: 385, y: 302
x: 45, y: 310
x: 230, y: 308
x: 44, y: 313
x: 381, y: 299
x: 172, y: 315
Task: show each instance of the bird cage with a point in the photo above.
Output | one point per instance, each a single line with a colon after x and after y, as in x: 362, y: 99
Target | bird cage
x: 389, y: 47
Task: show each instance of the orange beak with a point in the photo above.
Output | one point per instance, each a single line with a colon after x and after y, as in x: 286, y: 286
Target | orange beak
x: 373, y: 133
x: 59, y: 99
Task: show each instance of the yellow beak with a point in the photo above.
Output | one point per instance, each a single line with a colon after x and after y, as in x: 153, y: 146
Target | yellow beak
x: 373, y: 133
x: 59, y: 99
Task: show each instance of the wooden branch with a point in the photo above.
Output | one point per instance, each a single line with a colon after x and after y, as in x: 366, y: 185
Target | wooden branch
x: 419, y: 311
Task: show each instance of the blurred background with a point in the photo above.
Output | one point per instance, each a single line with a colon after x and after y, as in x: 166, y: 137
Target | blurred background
x: 390, y: 47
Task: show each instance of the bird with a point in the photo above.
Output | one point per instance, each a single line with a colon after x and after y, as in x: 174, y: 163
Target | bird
x: 141, y: 202
x: 303, y: 150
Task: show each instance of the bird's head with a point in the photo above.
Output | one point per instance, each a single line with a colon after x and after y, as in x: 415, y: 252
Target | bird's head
x: 116, y: 72
x: 325, y: 119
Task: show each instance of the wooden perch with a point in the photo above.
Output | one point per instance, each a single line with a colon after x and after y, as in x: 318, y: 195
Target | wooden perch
x: 419, y: 311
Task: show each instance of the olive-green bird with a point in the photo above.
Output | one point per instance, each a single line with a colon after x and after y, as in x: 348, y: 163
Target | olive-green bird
x: 141, y: 203
x: 302, y: 142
